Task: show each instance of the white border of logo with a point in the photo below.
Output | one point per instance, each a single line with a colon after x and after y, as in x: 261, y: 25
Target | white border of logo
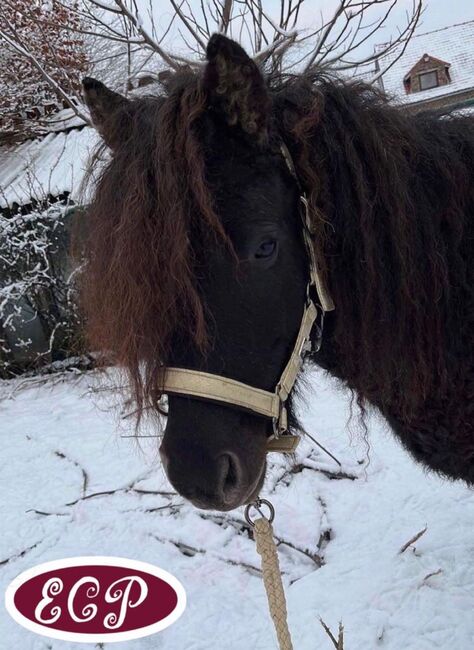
x: 101, y: 560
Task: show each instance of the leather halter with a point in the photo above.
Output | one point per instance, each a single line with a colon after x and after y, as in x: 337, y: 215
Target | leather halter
x: 207, y: 386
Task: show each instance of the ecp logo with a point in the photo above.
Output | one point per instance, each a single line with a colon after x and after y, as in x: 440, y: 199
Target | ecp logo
x: 95, y: 599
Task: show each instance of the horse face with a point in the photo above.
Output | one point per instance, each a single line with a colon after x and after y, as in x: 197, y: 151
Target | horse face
x: 253, y: 291
x: 215, y: 454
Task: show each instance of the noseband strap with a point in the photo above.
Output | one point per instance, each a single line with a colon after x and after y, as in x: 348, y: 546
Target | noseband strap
x: 207, y: 386
x: 204, y: 385
x: 211, y: 387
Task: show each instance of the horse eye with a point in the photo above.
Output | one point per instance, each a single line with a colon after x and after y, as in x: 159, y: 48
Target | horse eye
x: 266, y: 249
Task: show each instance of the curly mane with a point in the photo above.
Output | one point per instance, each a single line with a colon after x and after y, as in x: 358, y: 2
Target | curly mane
x: 393, y: 204
x: 151, y: 201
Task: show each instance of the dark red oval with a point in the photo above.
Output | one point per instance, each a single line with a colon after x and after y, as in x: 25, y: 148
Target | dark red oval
x: 128, y: 594
x: 157, y: 605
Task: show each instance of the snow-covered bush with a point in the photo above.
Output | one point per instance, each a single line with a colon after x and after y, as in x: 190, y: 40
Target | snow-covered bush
x: 39, y: 319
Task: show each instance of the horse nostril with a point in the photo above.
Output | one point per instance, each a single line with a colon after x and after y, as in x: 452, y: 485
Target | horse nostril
x: 229, y: 477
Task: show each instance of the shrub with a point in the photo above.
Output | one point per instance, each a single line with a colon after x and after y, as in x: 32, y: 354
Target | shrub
x: 39, y: 317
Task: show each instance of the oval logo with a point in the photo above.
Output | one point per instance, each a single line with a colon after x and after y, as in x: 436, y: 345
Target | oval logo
x: 95, y: 599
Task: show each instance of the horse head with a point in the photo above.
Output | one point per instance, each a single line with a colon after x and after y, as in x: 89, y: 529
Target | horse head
x: 198, y: 260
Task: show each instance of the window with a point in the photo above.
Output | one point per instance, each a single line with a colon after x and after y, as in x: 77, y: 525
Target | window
x: 428, y: 80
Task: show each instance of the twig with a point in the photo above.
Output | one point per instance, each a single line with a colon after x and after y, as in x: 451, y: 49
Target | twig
x: 339, y: 643
x: 43, y: 513
x: 85, y: 478
x: 323, y: 448
x: 188, y: 25
x: 125, y: 490
x: 147, y: 38
x: 191, y: 551
x: 414, y: 539
x: 430, y: 575
x: 226, y: 13
x: 20, y: 554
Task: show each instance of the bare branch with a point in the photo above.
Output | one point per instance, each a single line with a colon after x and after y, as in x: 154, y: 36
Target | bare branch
x: 339, y: 643
x: 324, y: 36
x: 351, y: 30
x: 295, y: 11
x: 188, y: 25
x: 334, y: 43
x: 277, y: 48
x: 105, y: 6
x: 203, y: 30
x: 205, y: 27
x: 258, y: 32
x: 147, y: 38
x: 73, y: 103
x: 278, y: 30
x: 217, y: 15
x: 383, y: 70
x: 226, y: 14
x: 413, y: 539
x: 376, y: 26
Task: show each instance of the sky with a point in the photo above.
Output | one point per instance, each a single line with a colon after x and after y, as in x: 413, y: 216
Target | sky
x: 437, y: 14
x: 440, y: 13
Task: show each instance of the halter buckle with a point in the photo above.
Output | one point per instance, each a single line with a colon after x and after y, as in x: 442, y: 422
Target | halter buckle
x: 280, y: 423
x: 284, y: 444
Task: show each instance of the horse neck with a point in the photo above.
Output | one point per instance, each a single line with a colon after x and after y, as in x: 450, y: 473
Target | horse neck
x: 396, y: 191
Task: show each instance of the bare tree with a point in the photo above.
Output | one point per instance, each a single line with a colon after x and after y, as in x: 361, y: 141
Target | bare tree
x: 336, y: 42
x: 133, y: 37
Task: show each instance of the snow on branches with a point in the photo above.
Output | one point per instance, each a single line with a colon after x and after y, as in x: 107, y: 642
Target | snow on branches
x: 37, y: 289
x: 42, y: 60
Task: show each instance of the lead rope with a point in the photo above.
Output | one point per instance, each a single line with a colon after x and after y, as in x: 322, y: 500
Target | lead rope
x: 267, y: 549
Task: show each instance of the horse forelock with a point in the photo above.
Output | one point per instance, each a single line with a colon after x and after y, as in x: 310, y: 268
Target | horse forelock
x: 151, y: 207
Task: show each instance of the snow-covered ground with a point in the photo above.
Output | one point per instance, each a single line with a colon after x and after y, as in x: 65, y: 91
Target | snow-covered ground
x: 71, y: 485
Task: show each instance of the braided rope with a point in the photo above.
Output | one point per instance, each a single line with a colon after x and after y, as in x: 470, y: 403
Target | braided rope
x: 272, y: 580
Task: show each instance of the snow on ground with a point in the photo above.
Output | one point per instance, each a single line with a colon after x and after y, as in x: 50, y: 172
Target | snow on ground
x: 71, y: 485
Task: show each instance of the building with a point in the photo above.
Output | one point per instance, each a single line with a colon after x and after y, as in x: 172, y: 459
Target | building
x: 50, y: 165
x: 436, y: 70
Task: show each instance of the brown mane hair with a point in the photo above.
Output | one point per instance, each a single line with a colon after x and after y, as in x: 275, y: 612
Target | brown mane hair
x: 139, y: 286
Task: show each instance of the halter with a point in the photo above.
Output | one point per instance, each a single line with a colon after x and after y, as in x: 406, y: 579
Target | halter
x: 215, y: 388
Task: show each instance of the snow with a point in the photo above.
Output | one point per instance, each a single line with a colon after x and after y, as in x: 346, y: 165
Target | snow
x: 72, y: 485
x: 50, y: 165
x: 452, y: 44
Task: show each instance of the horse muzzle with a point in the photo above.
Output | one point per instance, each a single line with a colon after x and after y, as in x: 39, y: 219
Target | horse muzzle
x: 214, y: 467
x: 225, y: 487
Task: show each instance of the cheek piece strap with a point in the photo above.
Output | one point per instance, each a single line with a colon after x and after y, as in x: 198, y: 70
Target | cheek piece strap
x: 216, y: 388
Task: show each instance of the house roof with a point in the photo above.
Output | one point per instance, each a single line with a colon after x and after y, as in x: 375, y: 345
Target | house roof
x: 453, y: 44
x: 426, y: 58
x: 53, y: 165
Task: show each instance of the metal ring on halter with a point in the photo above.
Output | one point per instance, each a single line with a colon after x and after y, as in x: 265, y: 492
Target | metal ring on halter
x: 256, y: 504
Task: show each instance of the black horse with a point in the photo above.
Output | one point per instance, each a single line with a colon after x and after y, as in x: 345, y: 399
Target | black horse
x: 197, y: 258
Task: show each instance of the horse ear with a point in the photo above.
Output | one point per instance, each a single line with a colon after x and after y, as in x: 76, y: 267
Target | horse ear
x: 236, y: 86
x: 108, y: 111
